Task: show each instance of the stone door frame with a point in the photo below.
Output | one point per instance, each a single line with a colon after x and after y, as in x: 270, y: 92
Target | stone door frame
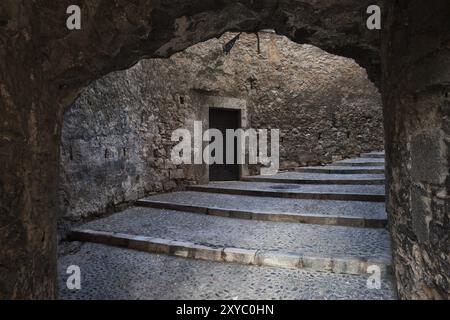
x: 206, y: 102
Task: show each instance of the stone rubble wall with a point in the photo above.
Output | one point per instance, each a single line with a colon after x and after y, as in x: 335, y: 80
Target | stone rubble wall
x: 116, y: 139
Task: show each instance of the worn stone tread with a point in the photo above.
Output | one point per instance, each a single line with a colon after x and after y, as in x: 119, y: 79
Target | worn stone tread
x: 347, y: 213
x: 186, y: 249
x: 114, y: 273
x: 360, y: 162
x: 373, y: 155
x: 334, y: 169
x: 298, y: 191
x: 318, y: 178
x: 306, y: 240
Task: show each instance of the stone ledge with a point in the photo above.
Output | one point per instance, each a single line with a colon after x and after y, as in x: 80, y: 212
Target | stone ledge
x: 293, y: 195
x: 340, y: 220
x: 230, y: 255
x: 315, y: 181
x: 342, y: 170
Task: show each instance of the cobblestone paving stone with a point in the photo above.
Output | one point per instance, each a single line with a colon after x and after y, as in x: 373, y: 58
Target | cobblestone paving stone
x: 305, y: 239
x: 343, y: 169
x: 360, y: 163
x: 299, y: 188
x: 320, y: 176
x: 361, y: 160
x: 373, y: 210
x: 113, y: 273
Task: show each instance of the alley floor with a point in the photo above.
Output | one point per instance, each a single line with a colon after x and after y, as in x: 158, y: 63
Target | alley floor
x: 309, y: 234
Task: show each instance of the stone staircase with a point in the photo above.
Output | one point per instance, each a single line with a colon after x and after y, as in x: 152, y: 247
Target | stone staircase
x: 323, y: 226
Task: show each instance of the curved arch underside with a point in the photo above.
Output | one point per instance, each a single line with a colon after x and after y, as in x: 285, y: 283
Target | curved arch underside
x: 116, y: 34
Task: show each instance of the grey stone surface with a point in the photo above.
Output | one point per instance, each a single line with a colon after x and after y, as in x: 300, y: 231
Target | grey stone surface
x: 116, y: 138
x: 428, y: 160
x: 358, y: 209
x: 304, y: 239
x: 328, y: 192
x: 417, y: 126
x: 334, y: 169
x: 319, y: 178
x: 380, y: 154
x: 113, y: 273
x: 187, y: 249
x: 363, y: 160
x: 415, y: 94
x: 419, y: 216
x: 360, y: 162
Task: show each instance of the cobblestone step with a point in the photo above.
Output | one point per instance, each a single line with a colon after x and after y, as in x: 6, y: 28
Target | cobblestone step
x: 344, y: 213
x: 130, y: 274
x: 373, y: 155
x: 342, y: 170
x: 360, y: 162
x: 287, y: 245
x: 319, y: 178
x: 296, y: 191
x: 240, y: 228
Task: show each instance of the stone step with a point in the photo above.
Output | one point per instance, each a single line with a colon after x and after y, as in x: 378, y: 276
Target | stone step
x: 342, y: 170
x: 360, y: 162
x: 373, y: 155
x: 279, y: 244
x: 318, y: 178
x: 296, y: 191
x: 344, y: 213
x: 114, y: 273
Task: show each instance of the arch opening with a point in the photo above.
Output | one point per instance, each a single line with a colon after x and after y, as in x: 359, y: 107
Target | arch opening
x: 324, y: 106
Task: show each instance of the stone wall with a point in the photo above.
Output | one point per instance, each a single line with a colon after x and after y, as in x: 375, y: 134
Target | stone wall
x: 323, y: 104
x: 116, y: 141
x: 417, y: 104
x: 116, y: 137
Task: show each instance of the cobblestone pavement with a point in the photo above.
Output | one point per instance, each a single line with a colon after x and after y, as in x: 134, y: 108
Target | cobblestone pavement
x: 375, y: 161
x: 374, y: 210
x: 319, y: 178
x: 118, y: 273
x: 294, y: 188
x: 336, y: 169
x: 113, y: 273
x: 306, y: 239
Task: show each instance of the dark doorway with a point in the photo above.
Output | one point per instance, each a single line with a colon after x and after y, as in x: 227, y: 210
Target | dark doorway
x: 223, y: 119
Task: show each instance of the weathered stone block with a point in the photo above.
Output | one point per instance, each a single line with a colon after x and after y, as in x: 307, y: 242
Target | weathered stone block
x: 428, y: 162
x: 176, y: 174
x: 238, y: 255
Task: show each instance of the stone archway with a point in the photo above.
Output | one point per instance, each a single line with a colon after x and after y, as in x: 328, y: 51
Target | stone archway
x: 44, y: 67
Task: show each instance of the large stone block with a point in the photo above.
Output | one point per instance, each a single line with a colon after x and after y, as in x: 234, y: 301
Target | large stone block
x: 428, y: 161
